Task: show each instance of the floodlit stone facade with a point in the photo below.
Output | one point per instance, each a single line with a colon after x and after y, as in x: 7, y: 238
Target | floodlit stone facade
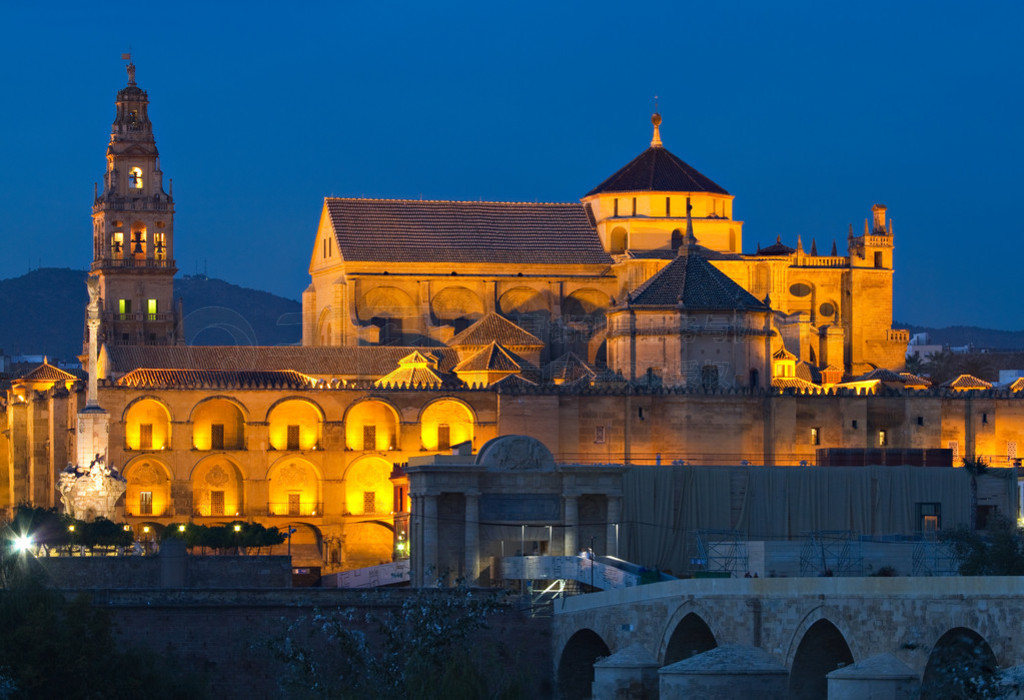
x: 627, y: 328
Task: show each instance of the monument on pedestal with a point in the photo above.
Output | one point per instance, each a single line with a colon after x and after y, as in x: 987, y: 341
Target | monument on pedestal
x: 91, y: 488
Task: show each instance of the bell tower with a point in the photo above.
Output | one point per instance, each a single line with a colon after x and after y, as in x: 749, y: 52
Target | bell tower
x: 133, y: 232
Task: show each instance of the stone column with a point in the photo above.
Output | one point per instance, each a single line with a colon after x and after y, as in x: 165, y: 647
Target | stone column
x: 416, y: 540
x: 572, y: 521
x: 612, y: 536
x: 472, y: 536
x: 429, y: 528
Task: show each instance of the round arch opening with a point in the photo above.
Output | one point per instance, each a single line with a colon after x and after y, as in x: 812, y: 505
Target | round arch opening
x: 218, y: 424
x: 294, y: 489
x: 958, y: 664
x: 147, y: 425
x: 822, y: 650
x: 576, y: 664
x: 444, y: 423
x: 371, y: 425
x: 149, y: 488
x: 294, y: 424
x: 691, y: 636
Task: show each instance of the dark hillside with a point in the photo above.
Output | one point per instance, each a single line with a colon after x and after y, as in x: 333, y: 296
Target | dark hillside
x: 43, y: 312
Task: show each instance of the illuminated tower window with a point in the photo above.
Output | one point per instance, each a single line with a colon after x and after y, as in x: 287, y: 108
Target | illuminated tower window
x: 883, y: 438
x: 117, y: 245
x: 124, y: 307
x: 444, y: 437
x: 139, y: 244
x: 294, y: 503
x: 160, y: 246
x: 815, y: 436
x: 146, y: 436
x: 135, y: 178
x: 293, y: 437
x: 151, y: 309
x: 146, y: 503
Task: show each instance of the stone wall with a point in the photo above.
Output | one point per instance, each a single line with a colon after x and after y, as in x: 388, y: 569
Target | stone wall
x: 149, y: 572
x: 223, y: 635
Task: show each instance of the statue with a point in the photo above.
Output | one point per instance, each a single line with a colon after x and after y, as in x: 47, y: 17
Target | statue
x: 91, y: 492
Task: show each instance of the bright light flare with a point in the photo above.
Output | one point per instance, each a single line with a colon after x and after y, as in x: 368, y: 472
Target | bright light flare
x: 22, y: 543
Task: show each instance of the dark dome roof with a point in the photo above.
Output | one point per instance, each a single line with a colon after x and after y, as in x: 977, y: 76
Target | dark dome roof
x: 657, y: 170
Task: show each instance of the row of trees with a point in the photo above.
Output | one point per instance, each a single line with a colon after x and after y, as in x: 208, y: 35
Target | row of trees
x: 46, y: 528
x: 242, y: 537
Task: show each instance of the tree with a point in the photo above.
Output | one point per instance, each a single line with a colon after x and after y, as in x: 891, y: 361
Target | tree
x: 426, y: 650
x: 999, y: 551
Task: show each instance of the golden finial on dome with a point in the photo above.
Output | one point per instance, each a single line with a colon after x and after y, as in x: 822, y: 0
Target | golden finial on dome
x: 656, y: 120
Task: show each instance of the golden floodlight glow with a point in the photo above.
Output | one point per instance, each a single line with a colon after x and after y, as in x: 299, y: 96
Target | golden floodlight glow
x: 181, y: 528
x: 71, y: 528
x: 145, y: 528
x: 238, y: 528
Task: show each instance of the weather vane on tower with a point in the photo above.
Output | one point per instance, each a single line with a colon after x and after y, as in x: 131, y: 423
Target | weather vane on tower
x: 130, y: 66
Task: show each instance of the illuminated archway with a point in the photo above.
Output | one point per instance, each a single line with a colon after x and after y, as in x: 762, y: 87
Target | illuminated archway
x: 218, y: 423
x: 294, y: 488
x: 147, y: 425
x: 217, y: 488
x: 368, y: 487
x: 149, y: 488
x: 576, y: 664
x: 371, y: 425
x: 294, y: 424
x: 445, y: 422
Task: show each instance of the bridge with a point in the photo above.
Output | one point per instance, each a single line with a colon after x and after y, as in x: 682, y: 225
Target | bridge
x: 809, y: 626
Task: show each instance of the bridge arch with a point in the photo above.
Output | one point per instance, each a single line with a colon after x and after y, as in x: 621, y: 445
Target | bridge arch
x: 687, y: 634
x: 576, y: 664
x: 822, y: 649
x: 959, y: 655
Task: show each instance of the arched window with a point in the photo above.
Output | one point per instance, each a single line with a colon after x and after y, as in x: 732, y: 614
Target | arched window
x: 135, y: 178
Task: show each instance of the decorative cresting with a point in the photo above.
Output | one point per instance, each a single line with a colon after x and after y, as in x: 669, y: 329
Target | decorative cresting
x: 91, y: 492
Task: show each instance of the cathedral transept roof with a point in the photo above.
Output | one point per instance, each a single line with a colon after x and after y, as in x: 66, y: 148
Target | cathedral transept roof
x: 695, y: 284
x: 400, y: 230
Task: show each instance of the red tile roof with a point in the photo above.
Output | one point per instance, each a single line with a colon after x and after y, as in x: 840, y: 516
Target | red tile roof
x: 191, y: 378
x: 399, y: 230
x: 359, y: 362
x: 497, y: 329
x: 48, y: 373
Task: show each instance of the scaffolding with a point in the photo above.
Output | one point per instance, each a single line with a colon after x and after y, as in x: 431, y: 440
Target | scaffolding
x: 720, y: 551
x: 934, y: 558
x: 831, y: 553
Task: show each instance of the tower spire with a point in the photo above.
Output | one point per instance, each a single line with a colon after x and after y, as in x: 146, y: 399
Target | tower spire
x: 656, y: 121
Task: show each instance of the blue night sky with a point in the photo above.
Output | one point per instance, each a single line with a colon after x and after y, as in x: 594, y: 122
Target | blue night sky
x: 808, y: 112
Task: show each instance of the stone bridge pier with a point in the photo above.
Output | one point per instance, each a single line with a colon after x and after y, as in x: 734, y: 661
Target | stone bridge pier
x: 809, y: 626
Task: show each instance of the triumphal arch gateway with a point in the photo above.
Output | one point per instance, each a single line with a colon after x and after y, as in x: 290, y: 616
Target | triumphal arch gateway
x: 629, y: 327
